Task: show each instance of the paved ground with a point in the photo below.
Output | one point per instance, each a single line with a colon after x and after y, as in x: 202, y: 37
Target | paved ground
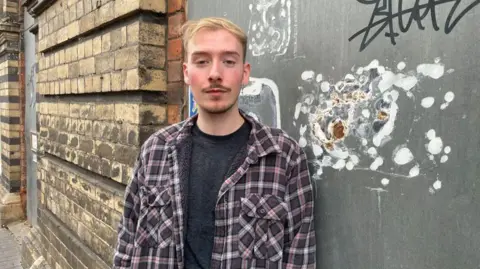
x: 9, y: 250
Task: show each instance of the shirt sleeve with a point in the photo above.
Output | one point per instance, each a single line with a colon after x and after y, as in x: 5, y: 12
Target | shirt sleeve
x: 128, y: 222
x: 300, y: 244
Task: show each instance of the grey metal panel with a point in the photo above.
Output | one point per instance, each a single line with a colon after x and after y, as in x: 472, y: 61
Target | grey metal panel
x: 31, y: 118
x: 399, y: 189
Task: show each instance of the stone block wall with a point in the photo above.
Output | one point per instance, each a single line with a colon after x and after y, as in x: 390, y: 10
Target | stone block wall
x: 105, y: 86
x: 10, y: 114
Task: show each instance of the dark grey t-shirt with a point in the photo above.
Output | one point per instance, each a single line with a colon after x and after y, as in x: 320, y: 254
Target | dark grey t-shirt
x: 212, y: 157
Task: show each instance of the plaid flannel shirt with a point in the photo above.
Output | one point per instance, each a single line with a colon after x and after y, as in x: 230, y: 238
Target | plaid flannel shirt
x: 264, y: 211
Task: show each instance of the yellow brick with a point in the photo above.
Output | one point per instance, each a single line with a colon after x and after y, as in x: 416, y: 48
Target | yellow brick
x: 62, y: 87
x: 68, y: 55
x: 61, y: 57
x: 81, y: 50
x: 106, y: 13
x: 117, y: 81
x: 153, y: 80
x: 87, y: 66
x: 79, y: 9
x: 81, y: 85
x: 68, y: 88
x: 57, y: 87
x: 66, y: 16
x: 97, y: 45
x: 132, y: 32
x: 97, y: 83
x: 123, y: 7
x: 74, y: 85
x: 74, y: 110
x: 88, y: 48
x: 73, y: 29
x: 73, y: 13
x: 152, y: 33
x: 89, y: 84
x: 157, y: 114
x: 106, y: 83
x: 127, y: 58
x: 132, y: 81
x: 87, y: 22
x: 74, y: 53
x: 127, y: 113
x: 153, y: 5
x: 57, y: 58
x: 63, y: 109
x: 105, y: 112
x: 106, y: 42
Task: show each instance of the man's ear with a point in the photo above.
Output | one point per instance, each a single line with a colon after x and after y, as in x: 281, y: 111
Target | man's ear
x: 246, y: 73
x: 185, y: 73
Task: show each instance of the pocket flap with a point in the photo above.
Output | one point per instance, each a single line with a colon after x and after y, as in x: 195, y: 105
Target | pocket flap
x: 264, y: 207
x: 155, y: 196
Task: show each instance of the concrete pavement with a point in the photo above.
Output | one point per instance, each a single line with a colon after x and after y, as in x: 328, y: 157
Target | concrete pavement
x: 9, y: 250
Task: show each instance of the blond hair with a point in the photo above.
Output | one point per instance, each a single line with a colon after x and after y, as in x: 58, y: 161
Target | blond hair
x: 192, y: 27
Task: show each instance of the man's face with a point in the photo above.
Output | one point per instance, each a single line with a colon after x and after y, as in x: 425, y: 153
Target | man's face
x: 215, y: 70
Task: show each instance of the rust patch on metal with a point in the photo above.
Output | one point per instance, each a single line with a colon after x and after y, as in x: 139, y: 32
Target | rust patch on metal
x: 382, y: 115
x: 339, y: 130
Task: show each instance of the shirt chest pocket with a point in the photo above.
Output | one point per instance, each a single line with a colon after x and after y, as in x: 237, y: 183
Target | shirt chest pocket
x: 262, y: 229
x: 155, y: 221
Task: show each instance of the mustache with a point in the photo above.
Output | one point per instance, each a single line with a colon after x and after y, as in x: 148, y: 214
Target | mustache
x: 216, y: 86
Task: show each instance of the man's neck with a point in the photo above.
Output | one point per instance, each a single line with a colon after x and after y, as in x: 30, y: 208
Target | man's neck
x: 220, y: 124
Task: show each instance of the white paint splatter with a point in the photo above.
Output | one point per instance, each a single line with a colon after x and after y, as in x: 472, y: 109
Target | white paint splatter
x: 363, y: 104
x: 376, y: 164
x: 385, y: 181
x: 434, y: 71
x: 354, y: 159
x: 302, y: 142
x: 349, y: 165
x: 372, y: 152
x: 444, y: 159
x: 414, y: 171
x: 402, y: 155
x: 297, y: 111
x: 366, y: 113
x: 325, y: 86
x: 447, y: 149
x: 428, y: 102
x: 437, y: 185
x: 406, y: 82
x: 339, y: 165
x: 449, y: 96
x: 307, y: 75
x: 435, y: 146
x: 431, y: 134
x: 443, y: 106
x: 387, y: 129
x: 317, y: 150
x: 303, y: 129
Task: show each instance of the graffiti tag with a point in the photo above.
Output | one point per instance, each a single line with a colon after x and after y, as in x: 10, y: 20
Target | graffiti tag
x: 383, y: 16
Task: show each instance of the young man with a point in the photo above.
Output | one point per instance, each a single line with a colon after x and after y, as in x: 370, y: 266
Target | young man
x: 219, y: 190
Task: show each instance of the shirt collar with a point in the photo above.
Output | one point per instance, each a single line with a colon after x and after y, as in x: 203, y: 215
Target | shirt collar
x: 261, y: 142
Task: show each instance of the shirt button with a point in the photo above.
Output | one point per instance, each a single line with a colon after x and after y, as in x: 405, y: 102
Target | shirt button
x: 261, y: 211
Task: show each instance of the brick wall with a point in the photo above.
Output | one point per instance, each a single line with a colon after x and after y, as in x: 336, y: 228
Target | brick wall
x: 104, y: 88
x: 10, y: 114
x: 177, y: 98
